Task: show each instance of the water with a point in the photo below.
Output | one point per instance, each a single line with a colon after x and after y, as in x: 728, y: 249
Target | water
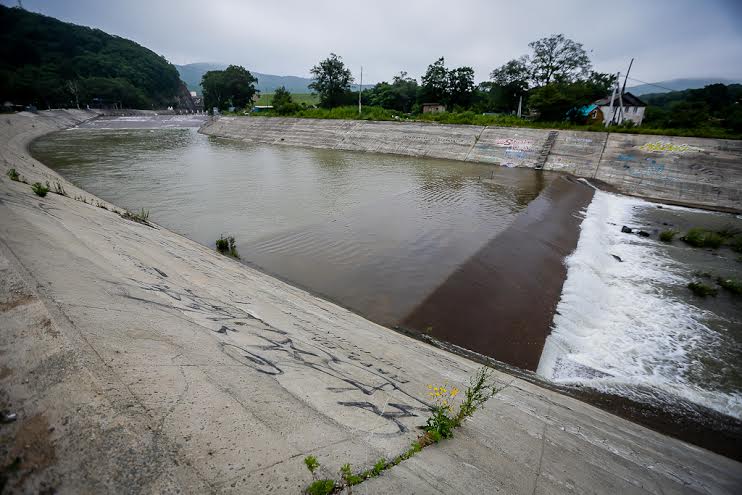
x: 376, y: 233
x: 633, y: 328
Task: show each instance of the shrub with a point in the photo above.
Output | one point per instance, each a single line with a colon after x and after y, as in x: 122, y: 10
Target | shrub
x: 227, y: 246
x: 668, y: 235
x: 13, y: 175
x: 702, y: 238
x: 702, y: 290
x: 39, y: 189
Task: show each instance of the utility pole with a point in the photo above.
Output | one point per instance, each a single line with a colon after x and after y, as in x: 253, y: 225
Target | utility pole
x: 613, y: 98
x: 619, y: 109
x: 520, y: 105
x: 360, y: 89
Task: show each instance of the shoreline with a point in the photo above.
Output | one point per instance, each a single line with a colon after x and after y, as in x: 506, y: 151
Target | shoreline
x: 146, y: 308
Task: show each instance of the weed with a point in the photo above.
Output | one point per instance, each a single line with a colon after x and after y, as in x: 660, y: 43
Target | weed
x: 440, y: 425
x: 13, y: 175
x: 702, y: 238
x: 668, y: 235
x: 141, y: 217
x: 729, y: 231
x: 702, y: 290
x: 39, y: 189
x: 59, y: 189
x: 227, y: 245
x: 732, y: 285
x: 321, y: 487
x: 312, y: 464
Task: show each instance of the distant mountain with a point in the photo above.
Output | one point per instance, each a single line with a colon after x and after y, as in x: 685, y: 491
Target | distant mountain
x: 677, y: 85
x: 267, y: 83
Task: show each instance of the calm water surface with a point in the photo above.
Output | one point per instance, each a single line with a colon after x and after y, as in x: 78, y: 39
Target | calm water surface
x: 376, y: 233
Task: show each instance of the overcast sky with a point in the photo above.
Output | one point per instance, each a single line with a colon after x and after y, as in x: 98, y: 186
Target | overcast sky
x: 669, y: 38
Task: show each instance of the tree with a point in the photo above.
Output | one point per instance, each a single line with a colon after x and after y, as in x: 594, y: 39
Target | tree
x: 283, y: 103
x: 557, y: 59
x: 331, y: 81
x: 562, y: 100
x: 399, y: 95
x: 515, y: 75
x: 435, y: 82
x: 460, y: 87
x: 234, y: 86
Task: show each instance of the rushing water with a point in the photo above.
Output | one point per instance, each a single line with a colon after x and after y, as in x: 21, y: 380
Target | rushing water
x: 376, y: 233
x: 630, y: 326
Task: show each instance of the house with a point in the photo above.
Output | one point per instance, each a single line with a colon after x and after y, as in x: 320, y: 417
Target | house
x: 600, y: 111
x: 433, y: 108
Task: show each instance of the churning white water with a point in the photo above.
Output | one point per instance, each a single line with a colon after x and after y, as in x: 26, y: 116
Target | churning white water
x: 631, y: 327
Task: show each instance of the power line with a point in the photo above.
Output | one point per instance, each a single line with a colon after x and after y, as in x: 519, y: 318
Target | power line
x: 651, y: 84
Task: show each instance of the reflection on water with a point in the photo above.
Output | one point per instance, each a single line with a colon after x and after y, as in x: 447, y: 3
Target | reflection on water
x: 377, y: 233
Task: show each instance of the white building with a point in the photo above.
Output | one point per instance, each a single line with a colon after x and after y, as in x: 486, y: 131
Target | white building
x: 633, y: 110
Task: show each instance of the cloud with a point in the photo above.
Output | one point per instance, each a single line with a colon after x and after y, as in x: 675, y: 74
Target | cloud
x: 668, y: 38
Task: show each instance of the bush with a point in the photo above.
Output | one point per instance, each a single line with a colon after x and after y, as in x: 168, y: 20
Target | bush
x: 668, y: 235
x: 13, y: 175
x: 701, y: 289
x: 227, y: 246
x: 703, y: 238
x: 39, y: 189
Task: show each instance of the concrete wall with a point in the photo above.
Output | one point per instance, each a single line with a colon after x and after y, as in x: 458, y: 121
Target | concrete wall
x: 694, y: 171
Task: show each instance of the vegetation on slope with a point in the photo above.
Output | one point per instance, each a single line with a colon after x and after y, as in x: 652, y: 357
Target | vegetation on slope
x: 50, y: 63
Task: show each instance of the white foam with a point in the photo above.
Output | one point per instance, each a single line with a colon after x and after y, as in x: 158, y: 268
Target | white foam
x: 617, y: 328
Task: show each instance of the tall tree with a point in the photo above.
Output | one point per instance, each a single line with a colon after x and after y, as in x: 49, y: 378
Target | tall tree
x: 331, y: 81
x: 283, y: 103
x: 435, y: 82
x: 515, y: 75
x: 460, y: 87
x: 557, y: 59
x: 234, y: 86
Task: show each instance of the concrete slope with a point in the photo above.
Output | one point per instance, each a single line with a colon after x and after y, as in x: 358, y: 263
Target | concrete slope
x: 690, y: 171
x: 140, y: 361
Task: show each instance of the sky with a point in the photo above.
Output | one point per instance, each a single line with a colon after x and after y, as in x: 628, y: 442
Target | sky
x: 669, y: 39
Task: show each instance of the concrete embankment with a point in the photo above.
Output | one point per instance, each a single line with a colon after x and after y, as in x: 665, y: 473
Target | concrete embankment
x: 692, y: 171
x: 139, y: 361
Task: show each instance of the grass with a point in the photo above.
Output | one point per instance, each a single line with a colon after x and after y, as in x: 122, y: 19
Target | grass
x: 443, y: 418
x: 140, y: 217
x: 307, y: 98
x: 471, y: 118
x: 59, y: 189
x: 702, y: 290
x: 39, y: 189
x: 13, y: 175
x: 730, y: 284
x: 227, y: 246
x: 703, y: 238
x: 668, y: 235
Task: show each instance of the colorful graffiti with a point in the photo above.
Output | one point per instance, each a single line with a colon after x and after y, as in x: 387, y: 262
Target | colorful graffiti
x: 514, y: 153
x: 647, y: 168
x: 576, y: 140
x: 516, y: 144
x: 668, y: 147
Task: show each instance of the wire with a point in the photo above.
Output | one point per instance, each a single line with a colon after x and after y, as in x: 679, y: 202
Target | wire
x: 651, y: 84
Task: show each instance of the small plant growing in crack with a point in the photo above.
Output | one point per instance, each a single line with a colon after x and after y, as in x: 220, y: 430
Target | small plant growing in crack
x: 140, y: 217
x: 13, y: 175
x: 441, y: 424
x: 59, y: 189
x: 39, y: 189
x: 227, y: 246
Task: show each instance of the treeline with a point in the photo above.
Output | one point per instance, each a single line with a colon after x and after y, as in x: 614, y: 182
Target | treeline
x: 49, y: 63
x: 716, y: 105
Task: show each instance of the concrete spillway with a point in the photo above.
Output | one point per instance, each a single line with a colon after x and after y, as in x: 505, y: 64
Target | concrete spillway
x: 693, y: 171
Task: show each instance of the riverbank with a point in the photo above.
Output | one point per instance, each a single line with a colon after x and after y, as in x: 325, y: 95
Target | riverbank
x: 705, y: 173
x: 138, y: 360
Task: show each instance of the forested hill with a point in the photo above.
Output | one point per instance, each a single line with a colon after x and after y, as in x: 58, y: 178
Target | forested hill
x: 50, y: 63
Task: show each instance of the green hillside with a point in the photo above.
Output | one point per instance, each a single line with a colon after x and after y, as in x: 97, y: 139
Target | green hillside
x: 50, y: 63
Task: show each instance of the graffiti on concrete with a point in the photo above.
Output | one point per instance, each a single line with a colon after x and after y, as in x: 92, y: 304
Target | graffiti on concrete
x: 668, y: 147
x: 516, y: 144
x: 577, y: 140
x: 647, y: 168
x: 514, y: 153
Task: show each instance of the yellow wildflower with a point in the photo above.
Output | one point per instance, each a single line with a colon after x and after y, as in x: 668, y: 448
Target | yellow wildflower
x: 454, y: 392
